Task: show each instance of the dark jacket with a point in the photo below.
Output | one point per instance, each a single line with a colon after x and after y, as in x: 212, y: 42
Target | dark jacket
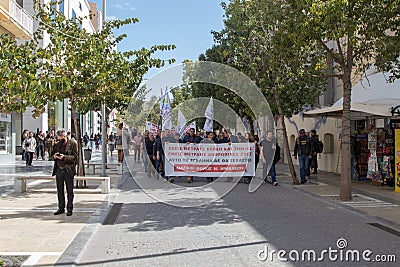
x: 189, y: 139
x: 149, y: 144
x: 303, y: 146
x: 314, y: 144
x: 70, y: 156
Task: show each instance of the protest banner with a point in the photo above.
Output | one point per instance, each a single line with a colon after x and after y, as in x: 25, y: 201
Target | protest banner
x: 209, y: 160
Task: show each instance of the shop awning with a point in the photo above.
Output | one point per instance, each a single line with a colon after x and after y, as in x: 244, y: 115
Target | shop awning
x: 371, y: 97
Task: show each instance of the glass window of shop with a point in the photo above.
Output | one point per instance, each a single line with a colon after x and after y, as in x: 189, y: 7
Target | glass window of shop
x: 5, y: 134
x: 55, y: 115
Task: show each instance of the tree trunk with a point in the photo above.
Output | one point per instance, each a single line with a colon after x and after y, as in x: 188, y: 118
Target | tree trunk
x: 81, y: 170
x: 286, y: 142
x: 345, y: 180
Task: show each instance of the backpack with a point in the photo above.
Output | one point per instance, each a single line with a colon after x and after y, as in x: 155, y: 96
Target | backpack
x: 320, y: 148
x: 277, y: 156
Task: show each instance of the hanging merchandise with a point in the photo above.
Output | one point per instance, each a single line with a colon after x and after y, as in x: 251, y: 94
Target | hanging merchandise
x: 361, y: 154
x: 373, y: 172
x: 397, y: 155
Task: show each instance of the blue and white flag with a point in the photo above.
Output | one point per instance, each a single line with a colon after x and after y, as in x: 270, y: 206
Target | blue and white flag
x: 209, y: 114
x: 181, y: 123
x: 165, y: 110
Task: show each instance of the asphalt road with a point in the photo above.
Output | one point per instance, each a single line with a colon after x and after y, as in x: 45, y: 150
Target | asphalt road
x: 241, y: 229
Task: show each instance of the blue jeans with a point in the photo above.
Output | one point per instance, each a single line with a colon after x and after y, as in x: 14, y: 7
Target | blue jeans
x: 145, y: 159
x: 303, y: 162
x: 272, y: 172
x: 160, y: 162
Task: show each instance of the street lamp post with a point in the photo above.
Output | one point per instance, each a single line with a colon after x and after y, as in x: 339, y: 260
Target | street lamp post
x: 103, y: 112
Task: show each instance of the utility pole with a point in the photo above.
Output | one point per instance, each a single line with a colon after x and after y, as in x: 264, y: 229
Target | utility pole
x: 103, y: 112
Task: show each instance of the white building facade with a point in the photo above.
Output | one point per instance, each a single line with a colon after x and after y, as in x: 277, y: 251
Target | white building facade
x: 58, y: 115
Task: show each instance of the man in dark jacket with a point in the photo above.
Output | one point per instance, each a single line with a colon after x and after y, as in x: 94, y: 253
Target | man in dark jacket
x: 191, y: 139
x: 303, y: 150
x: 65, y: 156
x: 313, y: 162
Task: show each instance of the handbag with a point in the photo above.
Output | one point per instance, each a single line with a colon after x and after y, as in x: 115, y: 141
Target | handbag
x: 119, y: 140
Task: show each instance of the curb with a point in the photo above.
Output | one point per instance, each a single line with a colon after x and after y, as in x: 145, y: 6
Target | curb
x: 71, y: 256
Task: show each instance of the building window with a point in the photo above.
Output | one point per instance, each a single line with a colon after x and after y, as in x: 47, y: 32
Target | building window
x: 20, y: 3
x: 5, y: 134
x: 292, y: 141
x: 329, y: 144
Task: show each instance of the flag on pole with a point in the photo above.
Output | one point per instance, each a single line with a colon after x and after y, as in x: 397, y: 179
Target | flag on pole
x: 165, y: 110
x: 181, y: 123
x: 209, y: 114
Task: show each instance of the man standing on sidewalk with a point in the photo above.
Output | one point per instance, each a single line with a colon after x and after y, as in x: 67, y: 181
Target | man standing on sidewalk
x: 65, y: 155
x: 302, y: 149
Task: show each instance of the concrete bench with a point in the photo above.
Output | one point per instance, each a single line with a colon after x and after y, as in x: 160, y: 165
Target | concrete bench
x: 105, y: 182
x: 20, y: 182
x: 118, y: 165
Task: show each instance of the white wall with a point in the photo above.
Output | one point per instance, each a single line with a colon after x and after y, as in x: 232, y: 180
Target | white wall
x: 329, y: 160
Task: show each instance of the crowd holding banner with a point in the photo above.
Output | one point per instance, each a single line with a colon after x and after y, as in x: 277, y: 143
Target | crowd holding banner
x: 183, y: 151
x: 209, y: 160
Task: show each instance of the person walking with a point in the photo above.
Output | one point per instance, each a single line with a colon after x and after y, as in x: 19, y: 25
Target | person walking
x: 24, y: 135
x: 111, y: 143
x: 209, y: 140
x: 86, y: 139
x: 149, y: 144
x: 40, y: 142
x: 137, y: 146
x: 91, y: 141
x: 29, y: 145
x: 302, y: 150
x: 65, y: 156
x: 191, y: 139
x: 316, y: 149
x: 271, y: 154
x: 144, y: 149
x: 118, y: 143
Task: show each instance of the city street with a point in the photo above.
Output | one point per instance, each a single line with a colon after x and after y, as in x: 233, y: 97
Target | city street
x: 241, y: 229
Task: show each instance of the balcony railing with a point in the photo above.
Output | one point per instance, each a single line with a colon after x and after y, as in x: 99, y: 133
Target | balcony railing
x: 22, y: 17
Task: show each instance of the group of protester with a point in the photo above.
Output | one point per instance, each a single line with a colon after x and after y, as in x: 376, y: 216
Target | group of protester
x: 151, y: 146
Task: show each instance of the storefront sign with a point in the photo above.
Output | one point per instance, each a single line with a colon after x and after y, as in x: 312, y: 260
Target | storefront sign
x: 5, y: 117
x: 209, y: 160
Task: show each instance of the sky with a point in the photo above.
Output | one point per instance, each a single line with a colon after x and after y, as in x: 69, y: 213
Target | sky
x: 185, y: 23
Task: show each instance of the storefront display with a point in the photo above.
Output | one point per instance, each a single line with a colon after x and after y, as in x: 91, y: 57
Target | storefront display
x: 374, y: 153
x: 361, y: 156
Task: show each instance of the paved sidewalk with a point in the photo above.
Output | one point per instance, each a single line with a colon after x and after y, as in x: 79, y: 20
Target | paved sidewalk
x: 373, y: 199
x: 27, y: 224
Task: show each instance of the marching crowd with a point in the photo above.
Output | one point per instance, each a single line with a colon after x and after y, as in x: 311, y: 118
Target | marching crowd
x: 306, y: 150
x: 149, y: 148
x: 153, y: 156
